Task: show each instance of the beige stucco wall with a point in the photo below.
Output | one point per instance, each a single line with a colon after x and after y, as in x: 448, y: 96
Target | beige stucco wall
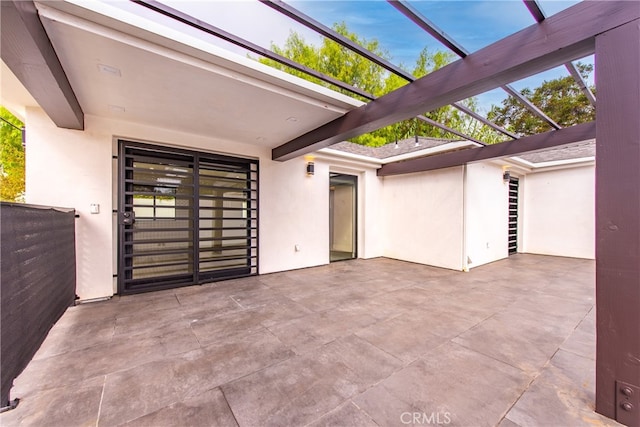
x: 423, y: 217
x: 442, y: 218
x: 486, y: 214
x: 76, y: 169
x: 559, y: 212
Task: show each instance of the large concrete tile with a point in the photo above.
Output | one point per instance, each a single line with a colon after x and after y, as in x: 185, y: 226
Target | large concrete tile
x: 385, y: 408
x: 404, y: 337
x: 149, y: 324
x: 327, y: 300
x: 76, y: 405
x: 147, y: 302
x: 81, y: 365
x: 294, y: 392
x: 347, y: 414
x: 280, y: 310
x: 307, y: 333
x: 444, y: 321
x: 368, y: 364
x: 148, y: 388
x: 102, y: 311
x: 582, y: 343
x: 207, y: 409
x: 76, y: 335
x: 408, y: 297
x: 378, y: 351
x: 204, y: 305
x: 511, y: 337
x: 301, y: 389
x: 562, y: 395
x: 214, y: 329
x: 458, y: 384
x: 145, y: 389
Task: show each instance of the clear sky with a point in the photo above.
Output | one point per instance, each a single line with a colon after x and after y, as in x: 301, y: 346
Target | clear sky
x: 473, y: 24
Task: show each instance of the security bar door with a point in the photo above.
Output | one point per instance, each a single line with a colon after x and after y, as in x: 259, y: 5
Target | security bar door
x: 184, y: 218
x: 513, y: 215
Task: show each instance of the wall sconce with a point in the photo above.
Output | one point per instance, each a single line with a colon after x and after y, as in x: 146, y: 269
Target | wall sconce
x: 506, y: 175
x: 310, y: 168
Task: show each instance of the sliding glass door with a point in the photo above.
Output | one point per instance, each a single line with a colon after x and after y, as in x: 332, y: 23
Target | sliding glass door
x: 184, y: 217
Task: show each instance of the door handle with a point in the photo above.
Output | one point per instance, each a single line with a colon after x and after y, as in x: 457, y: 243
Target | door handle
x: 128, y: 218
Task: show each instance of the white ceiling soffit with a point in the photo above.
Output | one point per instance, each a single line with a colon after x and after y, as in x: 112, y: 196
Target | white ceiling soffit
x: 13, y: 95
x: 120, y: 66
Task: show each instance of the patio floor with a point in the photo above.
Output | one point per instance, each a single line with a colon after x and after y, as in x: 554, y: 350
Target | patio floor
x: 361, y: 342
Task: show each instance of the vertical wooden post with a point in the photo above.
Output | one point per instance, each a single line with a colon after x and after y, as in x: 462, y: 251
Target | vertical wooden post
x: 618, y: 223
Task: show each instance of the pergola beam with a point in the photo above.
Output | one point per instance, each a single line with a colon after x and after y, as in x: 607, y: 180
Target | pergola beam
x: 414, y: 15
x: 618, y: 224
x: 343, y: 41
x: 448, y: 129
x: 27, y: 51
x: 539, y: 15
x: 484, y: 121
x: 510, y: 148
x: 530, y: 51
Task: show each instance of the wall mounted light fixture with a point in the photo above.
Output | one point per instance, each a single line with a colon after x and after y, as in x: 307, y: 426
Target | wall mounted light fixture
x: 310, y: 168
x: 506, y: 175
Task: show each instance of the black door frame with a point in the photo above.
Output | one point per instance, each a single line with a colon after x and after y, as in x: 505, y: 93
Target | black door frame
x: 352, y: 180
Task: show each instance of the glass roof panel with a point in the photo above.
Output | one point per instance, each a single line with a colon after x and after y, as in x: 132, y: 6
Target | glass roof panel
x: 476, y: 24
x: 377, y: 20
x: 551, y: 7
x: 472, y: 24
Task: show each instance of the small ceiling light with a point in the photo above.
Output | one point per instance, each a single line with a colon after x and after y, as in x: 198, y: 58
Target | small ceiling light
x: 116, y: 109
x: 108, y: 69
x: 292, y: 119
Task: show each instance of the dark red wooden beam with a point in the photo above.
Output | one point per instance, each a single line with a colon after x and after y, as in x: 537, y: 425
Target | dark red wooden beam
x: 414, y: 15
x: 539, y: 15
x: 563, y: 37
x: 27, y: 51
x: 343, y: 41
x: 618, y: 223
x: 541, y: 141
x: 448, y: 129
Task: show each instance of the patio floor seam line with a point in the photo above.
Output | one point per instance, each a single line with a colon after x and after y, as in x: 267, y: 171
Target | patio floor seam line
x: 104, y: 383
x: 233, y: 414
x: 364, y: 411
x: 382, y: 350
x: 195, y: 335
x: 517, y: 399
x: 502, y: 361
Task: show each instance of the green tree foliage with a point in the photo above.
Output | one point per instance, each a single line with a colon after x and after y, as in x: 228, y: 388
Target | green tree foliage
x: 11, y: 158
x: 341, y: 63
x: 561, y: 99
